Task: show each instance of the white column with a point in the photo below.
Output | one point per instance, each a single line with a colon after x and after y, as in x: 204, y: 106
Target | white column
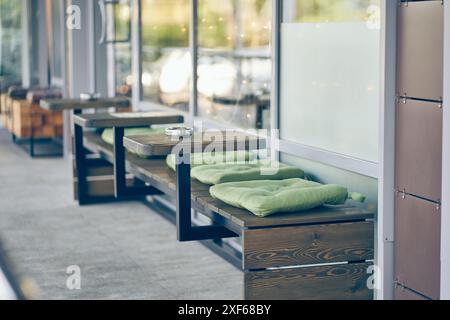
x: 385, y: 219
x: 26, y: 36
x: 80, y: 51
x: 445, y: 224
x: 136, y: 53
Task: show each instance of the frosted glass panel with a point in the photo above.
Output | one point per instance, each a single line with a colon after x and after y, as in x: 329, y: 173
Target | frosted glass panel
x: 330, y: 86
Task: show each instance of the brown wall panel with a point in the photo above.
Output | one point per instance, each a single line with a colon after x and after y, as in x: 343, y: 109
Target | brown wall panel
x: 417, y: 245
x: 419, y: 148
x: 420, y: 50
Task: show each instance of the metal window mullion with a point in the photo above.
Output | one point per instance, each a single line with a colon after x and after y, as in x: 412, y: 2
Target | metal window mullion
x: 193, y: 48
x: 276, y: 64
x: 445, y: 229
x: 92, y: 42
x: 384, y: 255
x: 26, y: 38
x: 136, y: 47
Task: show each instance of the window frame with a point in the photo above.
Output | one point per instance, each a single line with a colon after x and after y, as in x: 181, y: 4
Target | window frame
x: 57, y: 80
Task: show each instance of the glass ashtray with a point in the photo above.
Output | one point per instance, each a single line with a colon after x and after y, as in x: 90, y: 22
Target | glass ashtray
x: 179, y: 131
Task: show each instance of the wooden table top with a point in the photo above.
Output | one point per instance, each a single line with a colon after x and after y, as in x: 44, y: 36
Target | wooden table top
x: 162, y: 144
x: 70, y: 104
x: 131, y: 119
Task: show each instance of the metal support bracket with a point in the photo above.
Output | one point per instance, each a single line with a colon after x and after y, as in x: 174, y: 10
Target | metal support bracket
x: 185, y: 230
x: 121, y: 189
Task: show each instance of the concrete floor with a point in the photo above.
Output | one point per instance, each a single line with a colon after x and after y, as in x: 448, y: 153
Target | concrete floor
x: 124, y: 250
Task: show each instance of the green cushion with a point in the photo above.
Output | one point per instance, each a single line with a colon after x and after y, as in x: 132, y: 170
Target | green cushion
x: 208, y: 158
x: 108, y: 135
x: 264, y: 198
x: 236, y: 172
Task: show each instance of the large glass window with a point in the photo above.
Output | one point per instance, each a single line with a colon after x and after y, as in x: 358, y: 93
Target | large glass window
x: 234, y: 64
x: 10, y: 42
x: 122, y: 47
x: 123, y: 69
x: 165, y: 58
x: 330, y: 59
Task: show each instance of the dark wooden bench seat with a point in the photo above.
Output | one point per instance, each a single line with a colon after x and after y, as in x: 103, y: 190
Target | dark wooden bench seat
x: 156, y: 172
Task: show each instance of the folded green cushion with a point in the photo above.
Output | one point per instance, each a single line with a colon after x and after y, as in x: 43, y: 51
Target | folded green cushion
x: 235, y: 172
x: 108, y: 135
x: 208, y: 158
x: 264, y: 198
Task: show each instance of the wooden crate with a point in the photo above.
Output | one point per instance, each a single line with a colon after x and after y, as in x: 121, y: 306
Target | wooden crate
x: 31, y: 119
x: 3, y: 97
x: 7, y: 113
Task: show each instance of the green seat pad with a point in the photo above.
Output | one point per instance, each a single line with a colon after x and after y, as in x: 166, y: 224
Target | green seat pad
x: 264, y: 198
x: 236, y: 172
x: 209, y: 158
x: 108, y: 135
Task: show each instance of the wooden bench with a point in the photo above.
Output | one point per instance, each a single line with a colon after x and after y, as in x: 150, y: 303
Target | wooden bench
x: 323, y: 253
x: 91, y: 184
x: 15, y: 93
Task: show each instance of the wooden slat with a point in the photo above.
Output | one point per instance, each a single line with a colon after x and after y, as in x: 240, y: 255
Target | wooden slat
x: 336, y: 282
x: 70, y: 104
x: 161, y: 144
x: 159, y: 175
x: 3, y: 98
x: 304, y: 245
x: 101, y: 186
x: 134, y: 119
x: 97, y: 167
x: 315, y: 216
x: 7, y: 114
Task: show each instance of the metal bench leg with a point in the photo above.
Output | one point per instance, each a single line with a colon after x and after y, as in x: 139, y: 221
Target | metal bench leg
x: 80, y: 163
x: 185, y: 230
x: 121, y: 189
x: 31, y: 141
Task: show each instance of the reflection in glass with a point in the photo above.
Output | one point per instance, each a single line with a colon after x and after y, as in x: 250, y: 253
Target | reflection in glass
x: 165, y: 57
x: 124, y: 78
x: 10, y: 43
x: 119, y: 16
x: 234, y: 65
x: 56, y: 44
x: 330, y: 58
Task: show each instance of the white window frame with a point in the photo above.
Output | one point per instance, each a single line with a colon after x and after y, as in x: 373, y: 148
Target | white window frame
x: 386, y: 181
x: 445, y: 210
x: 54, y: 80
